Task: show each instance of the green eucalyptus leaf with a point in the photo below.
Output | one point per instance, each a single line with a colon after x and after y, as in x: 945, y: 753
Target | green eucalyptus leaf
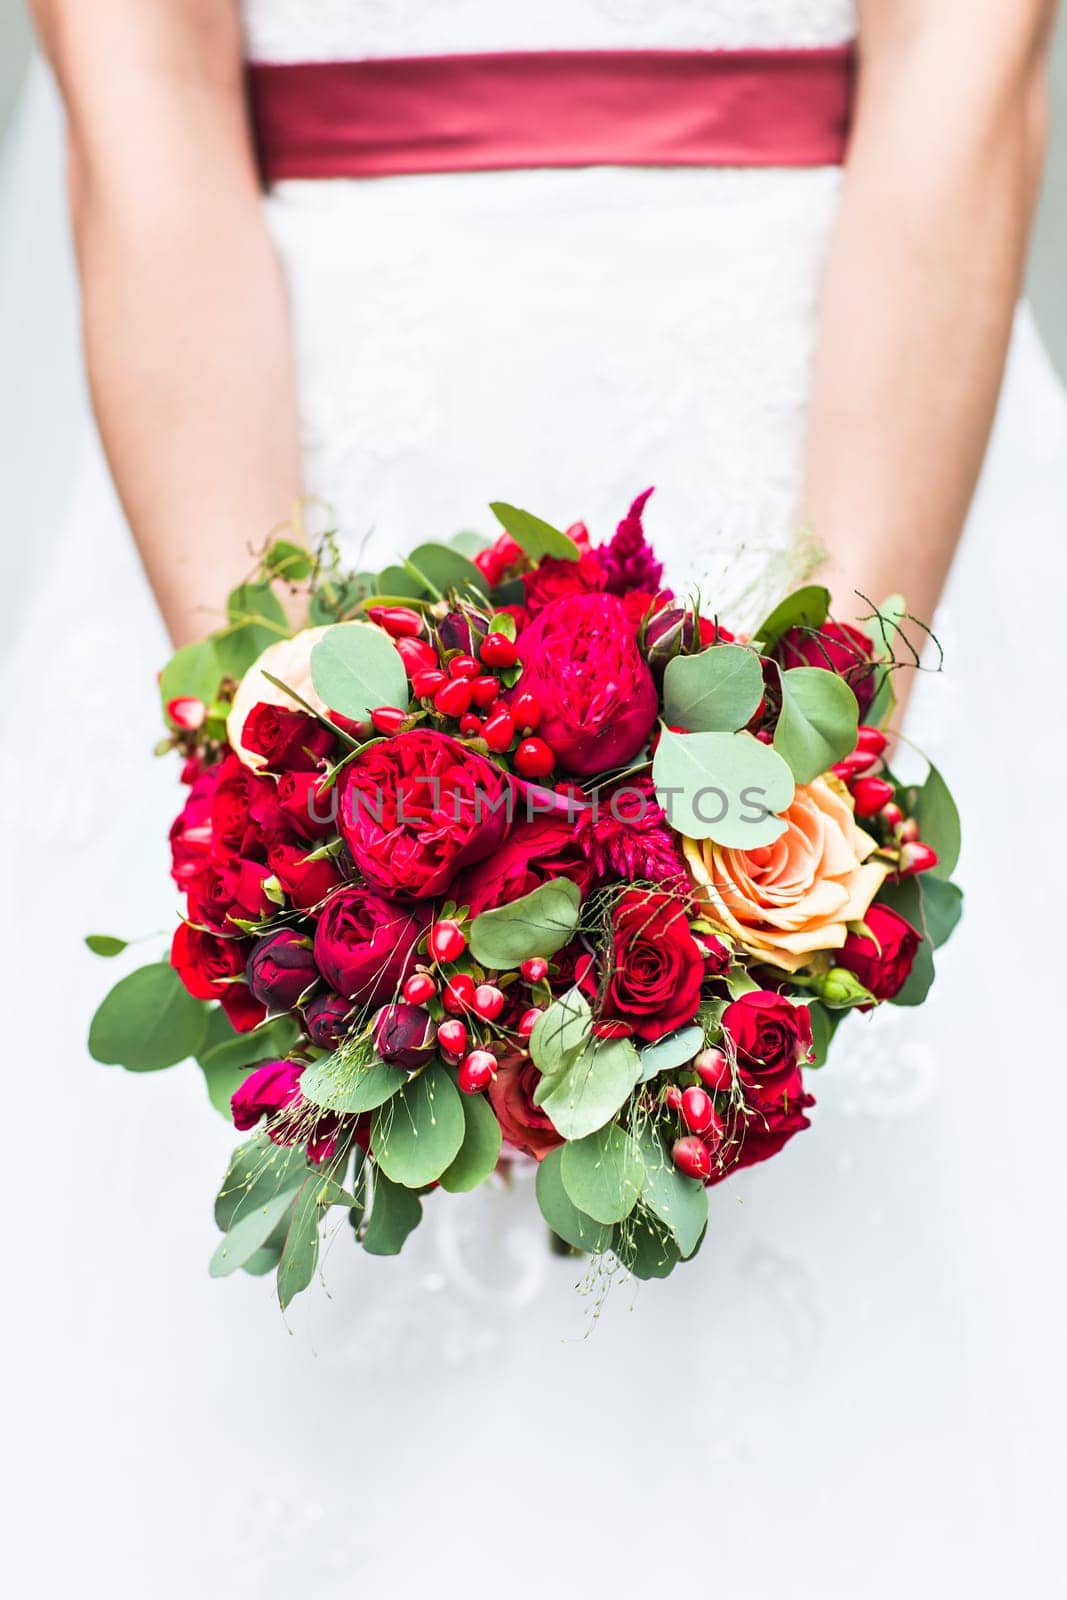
x: 537, y: 538
x: 350, y: 1086
x: 680, y: 1203
x: 446, y: 568
x: 717, y: 691
x: 469, y: 543
x: 673, y: 1051
x: 264, y: 1260
x: 561, y: 1032
x: 806, y: 608
x: 258, y: 1171
x: 939, y: 823
x: 256, y: 620
x: 288, y: 561
x: 538, y: 924
x: 603, y: 1173
x: 824, y: 1024
x: 722, y: 786
x: 560, y: 1212
x: 399, y: 584
x: 645, y: 1246
x: 589, y: 1088
x: 355, y: 669
x: 195, y: 671
x: 250, y: 1233
x: 300, y: 1252
x: 226, y: 1057
x: 418, y: 1134
x: 818, y: 721
x: 395, y: 1212
x: 920, y: 979
x: 480, y: 1150
x: 148, y: 1021
x: 105, y: 944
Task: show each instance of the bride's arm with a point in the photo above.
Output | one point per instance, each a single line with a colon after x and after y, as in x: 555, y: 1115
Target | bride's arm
x: 185, y: 320
x: 923, y: 276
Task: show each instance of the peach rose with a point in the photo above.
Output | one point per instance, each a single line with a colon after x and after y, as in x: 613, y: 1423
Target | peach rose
x: 787, y: 901
x: 290, y: 661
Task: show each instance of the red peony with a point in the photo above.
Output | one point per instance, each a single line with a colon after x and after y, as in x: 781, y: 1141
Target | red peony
x: 221, y: 894
x: 418, y: 808
x: 837, y: 647
x: 192, y: 840
x: 365, y: 943
x: 213, y: 969
x: 238, y: 793
x: 598, y: 700
x: 306, y: 882
x: 657, y: 965
x: 511, y: 1093
x: 555, y: 579
x: 883, y: 962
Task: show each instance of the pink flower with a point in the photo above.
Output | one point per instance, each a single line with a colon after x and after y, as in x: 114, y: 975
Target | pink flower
x: 629, y: 561
x: 273, y: 1091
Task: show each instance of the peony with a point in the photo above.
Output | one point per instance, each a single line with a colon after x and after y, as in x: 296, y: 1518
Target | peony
x: 536, y: 851
x: 882, y: 962
x: 786, y: 902
x: 657, y: 967
x: 290, y: 662
x: 598, y: 700
x: 511, y: 1093
x: 364, y: 943
x: 418, y: 808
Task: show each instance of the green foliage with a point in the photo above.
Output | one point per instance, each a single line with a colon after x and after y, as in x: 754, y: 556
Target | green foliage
x: 560, y: 1212
x: 939, y: 823
x: 480, y: 1150
x: 256, y: 620
x: 807, y: 608
x: 290, y: 562
x: 673, y: 1051
x: 920, y: 978
x: 105, y: 944
x: 250, y: 1232
x: 439, y: 568
x: 818, y: 721
x: 646, y: 1246
x: 680, y: 1203
x: 530, y: 533
x: 538, y: 924
x: 585, y: 1080
x: 226, y: 1056
x: 418, y: 1134
x: 717, y: 691
x: 350, y: 1084
x: 930, y: 904
x: 148, y: 1021
x: 722, y: 786
x: 824, y: 1024
x: 300, y: 1252
x: 258, y: 1170
x: 195, y: 671
x: 395, y: 1212
x: 602, y: 1173
x: 355, y: 669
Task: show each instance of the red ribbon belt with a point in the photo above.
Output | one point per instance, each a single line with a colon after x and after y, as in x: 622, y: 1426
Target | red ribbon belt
x: 555, y: 108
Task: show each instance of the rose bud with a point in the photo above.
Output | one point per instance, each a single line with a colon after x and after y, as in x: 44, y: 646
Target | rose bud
x: 404, y: 1035
x: 670, y: 633
x: 840, y: 988
x: 280, y: 968
x: 881, y: 958
x: 327, y: 1019
x: 459, y: 631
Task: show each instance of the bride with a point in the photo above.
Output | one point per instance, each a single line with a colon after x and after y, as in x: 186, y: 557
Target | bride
x: 858, y: 1390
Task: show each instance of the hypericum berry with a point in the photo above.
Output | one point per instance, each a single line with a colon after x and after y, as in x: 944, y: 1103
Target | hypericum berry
x: 917, y: 857
x: 714, y: 1070
x: 851, y: 767
x: 526, y: 709
x: 447, y: 940
x: 187, y: 713
x: 463, y: 667
x: 470, y: 725
x: 869, y: 795
x: 458, y: 995
x: 691, y: 1156
x: 424, y: 685
x: 535, y: 969
x: 453, y: 698
x: 872, y: 739
x: 398, y: 621
x: 528, y: 1021
x: 488, y: 1002
x: 698, y: 1110
x: 498, y: 732
x: 497, y: 650
x: 388, y: 719
x: 452, y: 1036
x: 419, y: 988
x: 534, y: 758
x: 476, y: 1071
x: 891, y: 815
x: 909, y: 831
x: 484, y: 691
x: 673, y: 1098
x: 416, y: 654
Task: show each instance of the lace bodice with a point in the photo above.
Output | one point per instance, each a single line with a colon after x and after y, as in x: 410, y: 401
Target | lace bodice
x: 312, y: 30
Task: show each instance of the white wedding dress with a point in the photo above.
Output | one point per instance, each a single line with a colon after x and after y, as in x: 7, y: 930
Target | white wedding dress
x: 857, y: 1390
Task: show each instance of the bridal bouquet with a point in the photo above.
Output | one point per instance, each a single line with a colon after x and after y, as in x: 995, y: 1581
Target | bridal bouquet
x: 510, y: 853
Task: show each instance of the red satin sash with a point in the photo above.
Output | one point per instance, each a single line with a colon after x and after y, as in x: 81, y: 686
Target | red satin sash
x: 565, y: 108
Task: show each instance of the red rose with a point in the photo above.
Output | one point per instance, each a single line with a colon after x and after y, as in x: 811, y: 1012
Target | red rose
x: 305, y: 808
x: 883, y: 962
x: 555, y: 579
x: 192, y: 840
x: 274, y: 1088
x: 234, y: 890
x: 771, y: 1036
x: 598, y: 700
x: 534, y: 852
x: 658, y: 967
x: 213, y: 969
x: 237, y: 793
x: 418, y: 808
x: 305, y: 882
x: 837, y: 647
x: 364, y: 943
x: 288, y: 740
x: 511, y: 1094
x: 761, y: 1135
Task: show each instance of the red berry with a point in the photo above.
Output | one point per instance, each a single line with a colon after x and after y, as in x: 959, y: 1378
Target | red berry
x: 612, y: 1030
x: 453, y: 698
x: 488, y: 1002
x: 484, y: 691
x: 476, y: 1071
x: 498, y: 650
x: 187, y: 713
x: 447, y: 940
x: 499, y: 731
x: 528, y: 1021
x: 909, y: 831
x: 459, y: 993
x: 470, y: 726
x: 463, y: 667
x: 399, y: 621
x: 673, y: 1098
x: 714, y: 1070
x: 534, y: 759
x: 917, y: 857
x: 691, y: 1156
x: 891, y: 815
x: 698, y: 1111
x: 859, y: 761
x: 870, y: 795
x: 526, y: 709
x: 535, y: 969
x: 872, y: 739
x: 417, y: 655
x: 419, y: 988
x: 452, y: 1036
x: 388, y: 719
x: 425, y: 685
